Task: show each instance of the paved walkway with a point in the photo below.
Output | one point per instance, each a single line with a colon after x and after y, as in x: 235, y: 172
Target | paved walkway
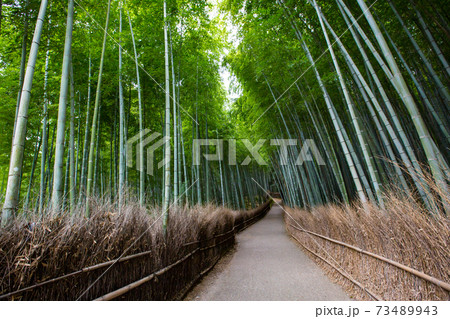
x: 267, y: 265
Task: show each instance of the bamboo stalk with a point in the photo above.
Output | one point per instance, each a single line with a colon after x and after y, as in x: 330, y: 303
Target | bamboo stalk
x: 90, y: 175
x: 15, y: 169
x: 122, y: 162
x: 167, y: 148
x: 58, y: 182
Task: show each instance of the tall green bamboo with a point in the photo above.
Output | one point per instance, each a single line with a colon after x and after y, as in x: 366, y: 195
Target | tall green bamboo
x: 122, y: 164
x: 58, y: 174
x: 430, y: 38
x: 328, y: 146
x: 406, y: 153
x: 441, y: 87
x: 90, y: 174
x: 362, y: 142
x: 141, y: 122
x: 222, y: 192
x: 44, y: 129
x: 197, y: 136
x: 166, y: 197
x: 208, y: 196
x: 183, y: 186
x: 33, y: 167
x: 187, y: 189
x: 72, y: 167
x: 175, y: 133
x: 15, y: 168
x: 23, y: 57
x: 83, y: 177
x: 424, y: 135
x: 333, y: 115
x: 419, y: 87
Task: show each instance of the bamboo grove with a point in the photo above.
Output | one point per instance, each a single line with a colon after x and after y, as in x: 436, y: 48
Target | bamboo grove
x: 366, y: 81
x: 101, y: 74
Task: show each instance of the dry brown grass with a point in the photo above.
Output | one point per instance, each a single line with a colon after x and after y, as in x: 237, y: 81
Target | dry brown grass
x: 404, y: 232
x: 35, y: 251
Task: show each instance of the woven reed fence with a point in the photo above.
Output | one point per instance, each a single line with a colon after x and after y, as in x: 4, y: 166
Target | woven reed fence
x: 61, y: 260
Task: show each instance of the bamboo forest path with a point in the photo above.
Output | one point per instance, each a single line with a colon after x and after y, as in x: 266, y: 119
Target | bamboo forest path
x: 267, y: 265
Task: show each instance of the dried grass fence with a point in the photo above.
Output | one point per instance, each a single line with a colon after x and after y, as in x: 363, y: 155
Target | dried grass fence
x: 60, y: 258
x: 403, y: 233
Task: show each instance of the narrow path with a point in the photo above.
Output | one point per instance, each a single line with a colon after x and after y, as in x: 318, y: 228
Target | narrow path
x: 267, y: 265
